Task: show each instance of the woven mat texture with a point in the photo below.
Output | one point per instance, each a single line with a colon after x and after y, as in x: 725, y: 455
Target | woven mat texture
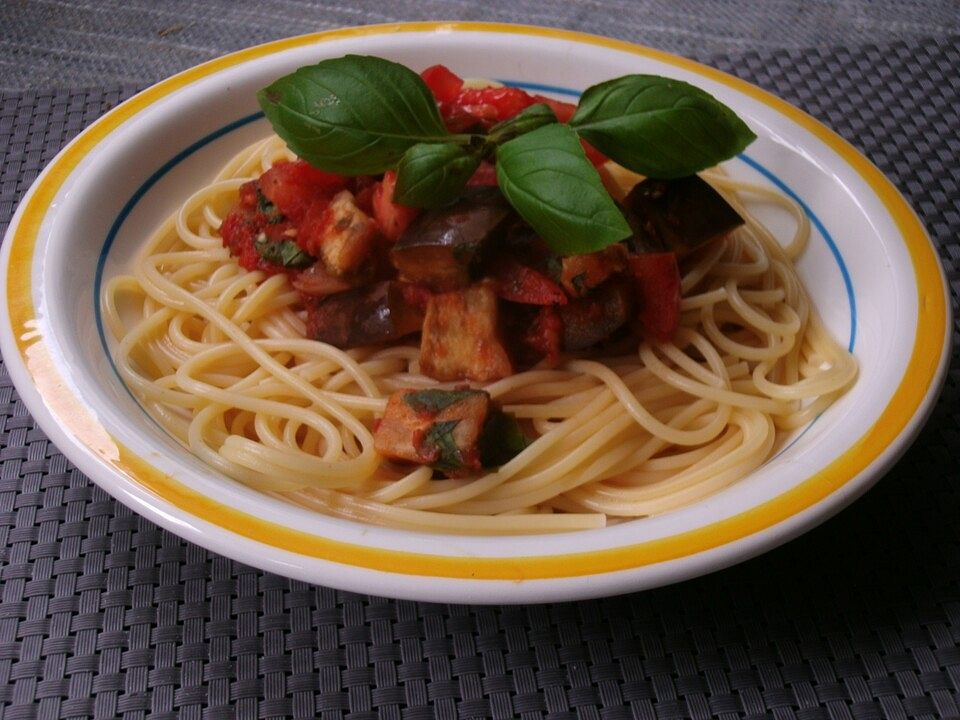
x: 104, y: 615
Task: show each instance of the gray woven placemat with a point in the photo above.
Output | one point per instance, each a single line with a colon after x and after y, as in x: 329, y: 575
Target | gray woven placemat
x: 102, y: 614
x: 99, y: 43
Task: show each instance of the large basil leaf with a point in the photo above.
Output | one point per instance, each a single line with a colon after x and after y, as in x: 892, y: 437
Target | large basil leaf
x: 434, y: 175
x: 546, y: 176
x: 659, y: 127
x: 355, y: 115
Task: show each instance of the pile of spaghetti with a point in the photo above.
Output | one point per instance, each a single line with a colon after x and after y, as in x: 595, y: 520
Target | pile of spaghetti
x: 219, y: 356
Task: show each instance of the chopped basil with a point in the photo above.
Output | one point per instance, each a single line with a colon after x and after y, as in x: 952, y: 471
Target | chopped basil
x: 501, y: 439
x: 285, y: 252
x: 268, y: 209
x: 580, y: 283
x: 440, y: 436
x: 433, y: 401
x: 264, y: 205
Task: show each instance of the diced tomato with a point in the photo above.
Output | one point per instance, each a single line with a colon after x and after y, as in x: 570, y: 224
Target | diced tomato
x: 485, y: 176
x: 521, y: 284
x: 657, y: 278
x: 444, y: 85
x: 501, y: 103
x: 545, y: 335
x: 294, y: 186
x: 363, y: 187
x: 462, y: 108
x: 241, y: 228
x: 314, y: 223
x: 595, y: 157
x: 238, y: 232
x: 391, y: 217
x: 416, y: 296
x: 579, y: 274
x: 563, y: 110
x: 248, y: 194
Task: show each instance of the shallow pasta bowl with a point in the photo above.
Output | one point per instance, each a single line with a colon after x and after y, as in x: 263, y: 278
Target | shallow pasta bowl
x: 870, y: 269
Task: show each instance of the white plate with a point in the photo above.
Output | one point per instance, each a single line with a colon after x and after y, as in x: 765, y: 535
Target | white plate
x: 871, y: 270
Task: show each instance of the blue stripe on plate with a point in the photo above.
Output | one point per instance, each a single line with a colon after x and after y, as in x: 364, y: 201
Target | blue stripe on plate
x: 128, y: 208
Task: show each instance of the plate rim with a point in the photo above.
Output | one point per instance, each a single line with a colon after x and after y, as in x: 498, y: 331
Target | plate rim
x: 920, y: 384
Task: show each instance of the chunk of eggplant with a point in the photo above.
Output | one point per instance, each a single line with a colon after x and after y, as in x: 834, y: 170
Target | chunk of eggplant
x: 592, y: 319
x: 462, y: 338
x: 442, y: 247
x: 372, y: 315
x: 678, y: 215
x: 440, y: 428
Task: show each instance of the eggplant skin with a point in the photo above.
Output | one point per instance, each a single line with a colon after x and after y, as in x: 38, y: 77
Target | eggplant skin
x: 372, y: 315
x: 677, y: 215
x: 595, y: 317
x: 442, y: 248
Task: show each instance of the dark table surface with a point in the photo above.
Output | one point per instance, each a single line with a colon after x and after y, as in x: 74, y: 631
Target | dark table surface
x: 102, y: 614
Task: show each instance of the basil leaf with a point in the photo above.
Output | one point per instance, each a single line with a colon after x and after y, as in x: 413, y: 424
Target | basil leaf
x: 355, y: 115
x: 659, y: 127
x: 547, y: 178
x: 433, y: 400
x: 264, y: 205
x: 285, y: 252
x: 501, y: 439
x: 440, y: 436
x: 269, y: 210
x: 526, y: 120
x: 434, y: 175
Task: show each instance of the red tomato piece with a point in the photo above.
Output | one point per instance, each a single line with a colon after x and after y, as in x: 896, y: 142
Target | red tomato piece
x: 444, y: 84
x: 485, y: 176
x: 462, y: 108
x: 521, y: 284
x: 494, y: 104
x: 363, y: 187
x: 657, y: 277
x: 545, y: 334
x: 596, y: 157
x: 416, y: 296
x: 238, y: 232
x: 294, y: 186
x: 240, y: 229
x: 391, y: 217
x: 563, y: 110
x: 311, y: 228
x: 248, y: 194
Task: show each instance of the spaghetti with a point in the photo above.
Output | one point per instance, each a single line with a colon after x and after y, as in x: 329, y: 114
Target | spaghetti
x: 218, y: 356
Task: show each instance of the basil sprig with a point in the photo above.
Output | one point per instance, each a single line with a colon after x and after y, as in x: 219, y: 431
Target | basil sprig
x: 362, y: 115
